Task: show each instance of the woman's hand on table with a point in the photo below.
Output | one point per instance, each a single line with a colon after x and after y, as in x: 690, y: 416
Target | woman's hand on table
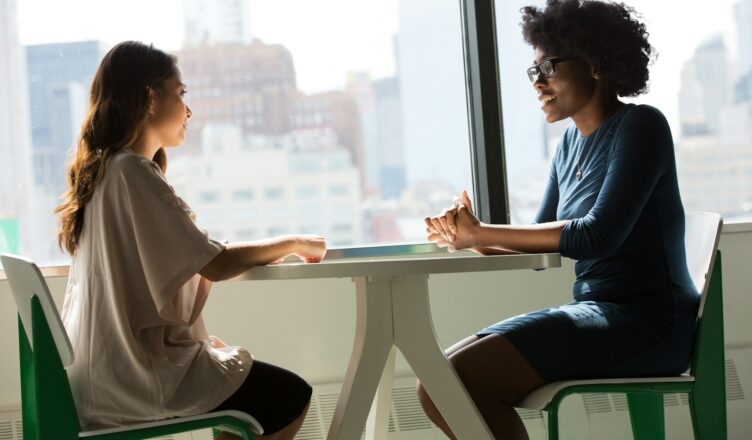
x: 455, y: 228
x: 310, y: 248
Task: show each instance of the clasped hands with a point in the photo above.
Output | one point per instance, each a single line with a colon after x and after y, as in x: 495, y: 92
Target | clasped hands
x: 456, y: 227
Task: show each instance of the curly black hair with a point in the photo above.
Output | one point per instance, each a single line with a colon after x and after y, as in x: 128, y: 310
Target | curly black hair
x: 606, y: 35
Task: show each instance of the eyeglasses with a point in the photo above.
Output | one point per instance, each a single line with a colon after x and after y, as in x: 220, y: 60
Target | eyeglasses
x: 545, y: 68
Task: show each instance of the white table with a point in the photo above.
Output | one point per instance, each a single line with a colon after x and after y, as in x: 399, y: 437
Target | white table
x: 393, y: 310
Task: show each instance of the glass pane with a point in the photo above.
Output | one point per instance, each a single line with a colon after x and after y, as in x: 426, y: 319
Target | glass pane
x: 336, y: 117
x: 702, y: 82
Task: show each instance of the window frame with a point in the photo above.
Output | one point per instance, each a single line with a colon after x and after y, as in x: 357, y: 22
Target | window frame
x: 485, y: 118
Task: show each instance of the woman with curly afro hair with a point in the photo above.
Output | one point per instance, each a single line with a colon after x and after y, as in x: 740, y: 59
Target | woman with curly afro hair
x: 612, y: 203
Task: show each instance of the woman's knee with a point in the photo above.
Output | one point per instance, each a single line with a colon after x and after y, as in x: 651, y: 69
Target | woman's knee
x: 493, y: 370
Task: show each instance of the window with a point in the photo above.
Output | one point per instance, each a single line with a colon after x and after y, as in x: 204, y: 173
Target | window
x: 702, y: 82
x: 242, y: 195
x: 274, y: 194
x: 306, y: 192
x: 208, y: 197
x: 339, y: 190
x: 373, y: 105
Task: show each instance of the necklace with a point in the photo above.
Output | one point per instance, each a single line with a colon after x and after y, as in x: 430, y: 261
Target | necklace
x: 580, y: 160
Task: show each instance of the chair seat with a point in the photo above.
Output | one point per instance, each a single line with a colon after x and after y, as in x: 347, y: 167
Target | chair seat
x: 538, y: 399
x: 244, y: 417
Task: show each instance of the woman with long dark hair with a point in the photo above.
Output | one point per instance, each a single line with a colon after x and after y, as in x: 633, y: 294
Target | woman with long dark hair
x: 612, y: 203
x: 141, y: 270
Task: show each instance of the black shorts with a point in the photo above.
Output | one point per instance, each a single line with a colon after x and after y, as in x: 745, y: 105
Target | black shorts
x: 272, y: 395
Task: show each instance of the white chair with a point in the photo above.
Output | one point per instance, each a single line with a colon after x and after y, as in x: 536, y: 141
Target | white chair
x: 48, y: 409
x: 705, y: 382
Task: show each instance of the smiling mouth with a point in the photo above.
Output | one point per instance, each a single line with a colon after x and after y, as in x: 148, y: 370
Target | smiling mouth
x: 547, y: 99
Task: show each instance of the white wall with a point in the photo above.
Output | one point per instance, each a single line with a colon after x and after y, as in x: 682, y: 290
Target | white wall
x: 307, y: 326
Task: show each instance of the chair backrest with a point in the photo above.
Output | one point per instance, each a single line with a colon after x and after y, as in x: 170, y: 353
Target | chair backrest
x: 701, y: 235
x: 26, y: 281
x: 44, y: 350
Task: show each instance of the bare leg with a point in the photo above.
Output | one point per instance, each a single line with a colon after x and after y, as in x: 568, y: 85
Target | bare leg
x: 497, y: 376
x: 286, y: 433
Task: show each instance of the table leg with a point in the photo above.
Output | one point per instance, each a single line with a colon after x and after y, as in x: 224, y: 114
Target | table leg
x: 374, y: 339
x: 415, y: 337
x: 377, y: 425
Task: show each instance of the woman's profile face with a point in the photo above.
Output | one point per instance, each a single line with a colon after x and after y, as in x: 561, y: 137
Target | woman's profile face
x: 567, y: 91
x: 169, y: 116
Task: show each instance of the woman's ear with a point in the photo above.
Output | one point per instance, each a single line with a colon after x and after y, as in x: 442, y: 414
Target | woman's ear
x: 152, y: 99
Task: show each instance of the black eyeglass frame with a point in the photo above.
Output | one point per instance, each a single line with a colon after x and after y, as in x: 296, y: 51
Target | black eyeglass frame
x: 539, y: 70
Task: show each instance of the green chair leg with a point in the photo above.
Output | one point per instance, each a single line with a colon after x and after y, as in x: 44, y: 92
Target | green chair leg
x: 553, y: 422
x: 708, y: 415
x: 646, y: 414
x: 707, y: 400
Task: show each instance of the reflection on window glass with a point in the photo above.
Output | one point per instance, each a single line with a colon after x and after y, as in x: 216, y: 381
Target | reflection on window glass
x: 364, y: 100
x: 702, y: 82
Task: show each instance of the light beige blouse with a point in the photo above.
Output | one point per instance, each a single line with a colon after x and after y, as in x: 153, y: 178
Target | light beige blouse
x: 133, y: 305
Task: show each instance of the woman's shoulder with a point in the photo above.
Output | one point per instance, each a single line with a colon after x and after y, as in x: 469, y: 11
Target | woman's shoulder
x: 644, y: 114
x: 129, y: 164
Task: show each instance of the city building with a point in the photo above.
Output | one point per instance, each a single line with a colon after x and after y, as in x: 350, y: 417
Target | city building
x: 335, y: 110
x: 210, y: 22
x: 251, y: 86
x: 250, y: 187
x: 59, y: 78
x: 706, y: 87
x: 743, y: 17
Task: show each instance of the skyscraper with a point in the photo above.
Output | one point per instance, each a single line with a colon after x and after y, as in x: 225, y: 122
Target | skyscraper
x: 391, y: 147
x: 249, y: 85
x: 209, y: 22
x: 705, y: 88
x: 59, y: 79
x: 14, y: 133
x: 743, y: 17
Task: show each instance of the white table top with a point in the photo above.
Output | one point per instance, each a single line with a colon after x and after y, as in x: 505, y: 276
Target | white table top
x: 401, y: 266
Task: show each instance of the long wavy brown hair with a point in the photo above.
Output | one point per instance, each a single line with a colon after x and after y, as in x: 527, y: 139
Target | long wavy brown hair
x: 118, y: 111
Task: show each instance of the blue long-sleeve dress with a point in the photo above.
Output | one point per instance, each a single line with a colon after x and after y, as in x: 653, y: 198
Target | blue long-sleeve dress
x: 635, y: 306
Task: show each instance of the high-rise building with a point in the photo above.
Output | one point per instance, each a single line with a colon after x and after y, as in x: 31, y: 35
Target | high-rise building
x: 380, y: 110
x: 705, y: 88
x: 210, y: 22
x: 15, y: 151
x: 335, y: 110
x: 743, y: 17
x: 251, y: 86
x: 360, y: 88
x: 389, y: 139
x: 59, y: 78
